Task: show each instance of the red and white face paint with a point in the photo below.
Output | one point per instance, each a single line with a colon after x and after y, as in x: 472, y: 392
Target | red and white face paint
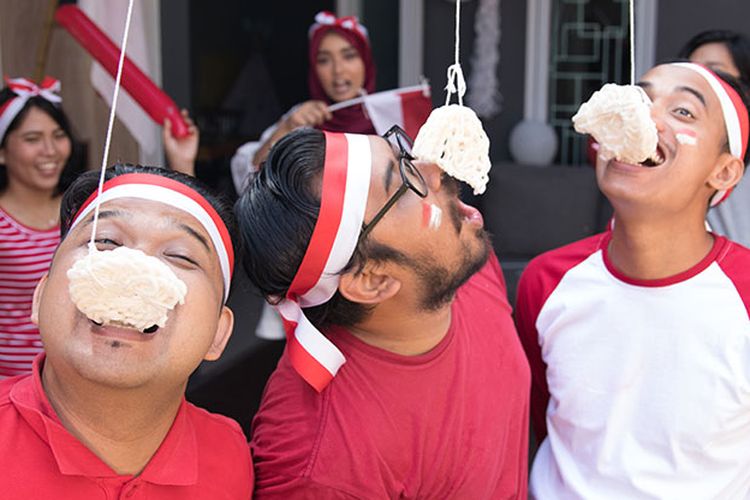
x: 686, y: 137
x: 346, y: 184
x: 735, y: 116
x: 126, y: 287
x: 432, y: 216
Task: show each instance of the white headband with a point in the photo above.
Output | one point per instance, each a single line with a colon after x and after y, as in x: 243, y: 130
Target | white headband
x: 346, y: 185
x: 25, y: 90
x: 735, y: 116
x: 173, y: 193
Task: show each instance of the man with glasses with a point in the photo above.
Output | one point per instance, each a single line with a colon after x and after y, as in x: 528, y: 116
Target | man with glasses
x: 402, y: 375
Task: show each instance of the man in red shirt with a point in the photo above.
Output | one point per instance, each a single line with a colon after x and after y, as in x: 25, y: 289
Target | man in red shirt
x: 403, y: 376
x: 103, y: 413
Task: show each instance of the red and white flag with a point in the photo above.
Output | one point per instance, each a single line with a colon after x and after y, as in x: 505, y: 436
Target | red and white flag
x: 407, y: 107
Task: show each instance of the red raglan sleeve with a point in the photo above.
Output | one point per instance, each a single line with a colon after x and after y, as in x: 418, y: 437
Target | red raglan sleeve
x: 735, y: 263
x: 529, y: 301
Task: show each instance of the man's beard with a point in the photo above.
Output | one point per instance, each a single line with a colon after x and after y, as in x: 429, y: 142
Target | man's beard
x: 441, y: 284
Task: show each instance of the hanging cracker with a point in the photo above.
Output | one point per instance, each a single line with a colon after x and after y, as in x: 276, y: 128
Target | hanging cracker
x: 619, y: 118
x: 453, y: 137
x: 125, y: 287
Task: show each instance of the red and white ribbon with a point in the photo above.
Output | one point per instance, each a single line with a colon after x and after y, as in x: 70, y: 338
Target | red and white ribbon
x: 25, y: 90
x: 735, y: 116
x: 173, y: 193
x: 346, y: 184
x: 325, y: 18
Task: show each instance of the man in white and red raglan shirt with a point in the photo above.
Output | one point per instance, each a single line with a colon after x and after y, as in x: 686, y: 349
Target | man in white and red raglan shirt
x: 403, y: 376
x: 639, y: 338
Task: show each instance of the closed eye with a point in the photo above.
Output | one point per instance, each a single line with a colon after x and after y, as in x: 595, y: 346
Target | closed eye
x: 182, y: 258
x: 106, y: 244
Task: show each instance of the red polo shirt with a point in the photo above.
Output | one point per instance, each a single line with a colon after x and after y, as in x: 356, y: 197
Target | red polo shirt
x: 203, y: 456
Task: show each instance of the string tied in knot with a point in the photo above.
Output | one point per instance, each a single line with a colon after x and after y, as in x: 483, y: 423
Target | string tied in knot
x: 456, y: 84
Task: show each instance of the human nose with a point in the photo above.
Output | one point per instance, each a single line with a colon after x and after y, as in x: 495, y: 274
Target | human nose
x: 432, y: 175
x: 49, y: 146
x: 657, y: 115
x: 336, y: 66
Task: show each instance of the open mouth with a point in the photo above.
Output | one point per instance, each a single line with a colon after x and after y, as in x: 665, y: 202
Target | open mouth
x: 115, y: 324
x: 655, y: 160
x: 48, y: 168
x: 341, y: 87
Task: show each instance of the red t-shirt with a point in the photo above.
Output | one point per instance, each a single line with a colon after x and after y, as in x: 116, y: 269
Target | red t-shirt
x: 203, y: 456
x: 451, y: 423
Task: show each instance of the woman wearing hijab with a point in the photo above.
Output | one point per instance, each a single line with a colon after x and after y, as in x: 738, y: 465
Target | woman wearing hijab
x: 340, y: 69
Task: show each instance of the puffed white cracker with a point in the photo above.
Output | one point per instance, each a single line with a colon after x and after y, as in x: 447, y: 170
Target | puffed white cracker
x: 619, y: 118
x: 125, y: 287
x: 453, y: 138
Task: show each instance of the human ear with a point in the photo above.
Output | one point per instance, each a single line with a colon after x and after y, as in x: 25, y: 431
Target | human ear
x: 2, y: 156
x: 727, y: 172
x: 221, y: 337
x: 36, y: 299
x: 369, y: 286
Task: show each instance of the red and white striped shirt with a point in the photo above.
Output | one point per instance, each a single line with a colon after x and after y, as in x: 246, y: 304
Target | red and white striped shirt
x: 25, y: 255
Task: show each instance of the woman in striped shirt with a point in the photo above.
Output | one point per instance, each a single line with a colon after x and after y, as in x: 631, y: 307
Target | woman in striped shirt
x: 36, y: 165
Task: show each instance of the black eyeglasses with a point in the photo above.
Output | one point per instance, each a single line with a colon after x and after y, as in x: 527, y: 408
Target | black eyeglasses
x: 411, y: 177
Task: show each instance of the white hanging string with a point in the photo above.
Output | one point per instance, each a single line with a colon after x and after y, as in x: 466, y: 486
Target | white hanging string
x: 456, y: 82
x: 105, y: 155
x: 631, y: 18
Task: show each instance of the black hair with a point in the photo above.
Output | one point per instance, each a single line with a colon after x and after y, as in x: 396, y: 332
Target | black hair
x: 737, y: 44
x: 277, y: 213
x: 87, y: 183
x: 73, y: 167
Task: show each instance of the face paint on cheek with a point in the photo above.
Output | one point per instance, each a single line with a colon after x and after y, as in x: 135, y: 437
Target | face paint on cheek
x: 686, y: 137
x: 432, y: 215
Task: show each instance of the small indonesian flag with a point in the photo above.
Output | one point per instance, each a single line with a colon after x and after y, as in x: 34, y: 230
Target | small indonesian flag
x: 407, y: 107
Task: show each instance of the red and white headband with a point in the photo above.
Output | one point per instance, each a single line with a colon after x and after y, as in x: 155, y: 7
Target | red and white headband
x: 325, y: 19
x: 346, y: 184
x: 175, y: 194
x: 735, y: 117
x: 25, y: 90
